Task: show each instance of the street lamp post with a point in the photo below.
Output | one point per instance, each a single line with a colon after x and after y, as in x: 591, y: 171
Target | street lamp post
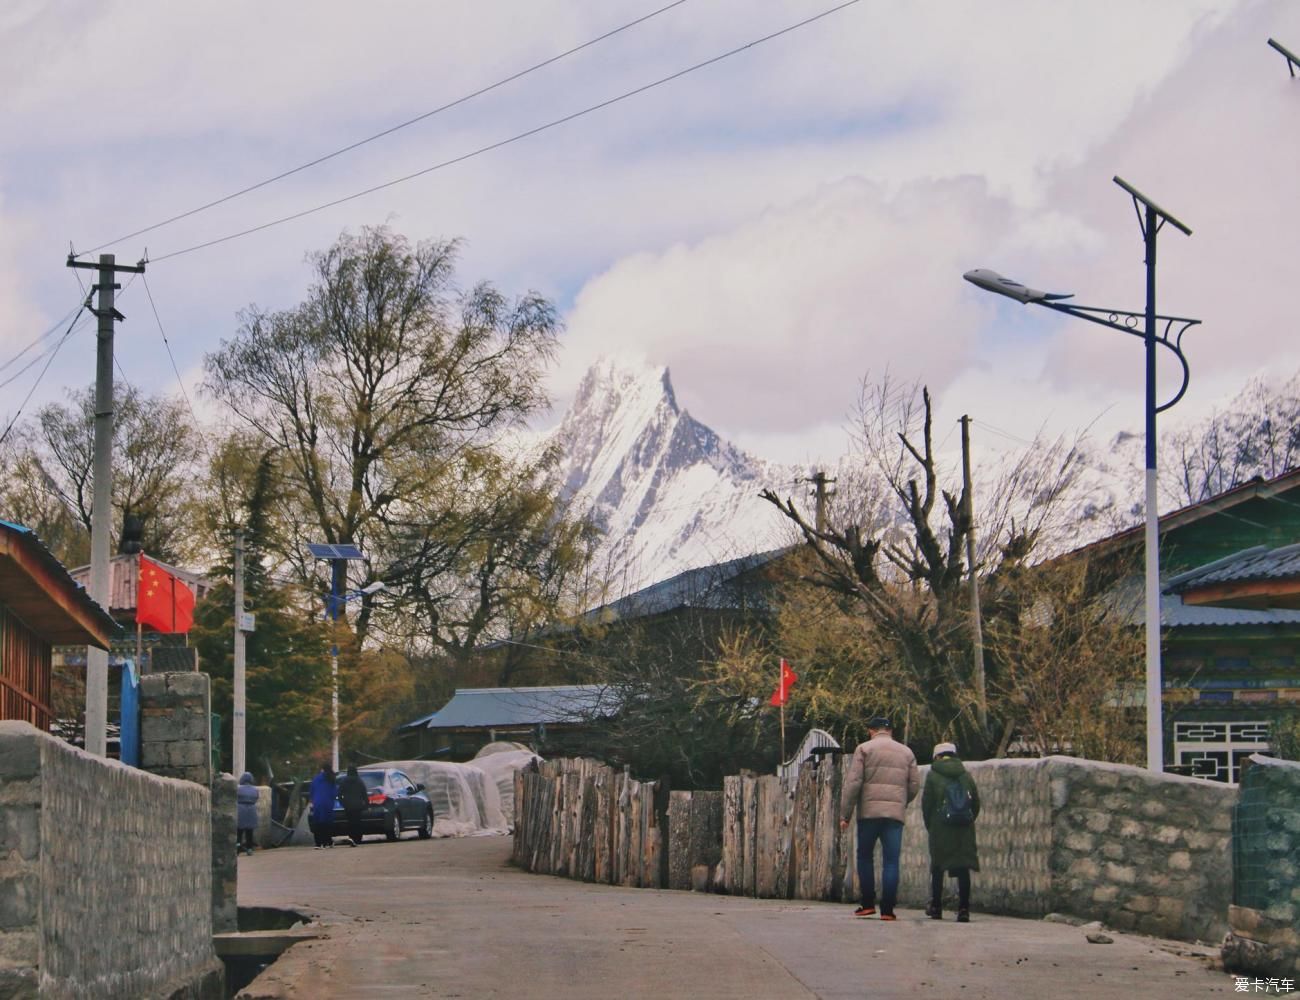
x: 338, y: 556
x: 1292, y: 60
x: 1156, y: 330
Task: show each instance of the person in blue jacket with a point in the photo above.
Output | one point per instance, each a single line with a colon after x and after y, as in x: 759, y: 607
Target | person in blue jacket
x: 245, y: 813
x: 323, y: 793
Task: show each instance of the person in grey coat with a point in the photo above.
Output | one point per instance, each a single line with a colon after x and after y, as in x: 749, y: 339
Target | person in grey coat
x: 245, y: 813
x: 882, y: 780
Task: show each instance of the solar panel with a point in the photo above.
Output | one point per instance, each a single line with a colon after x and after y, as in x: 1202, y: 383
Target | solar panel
x: 327, y: 550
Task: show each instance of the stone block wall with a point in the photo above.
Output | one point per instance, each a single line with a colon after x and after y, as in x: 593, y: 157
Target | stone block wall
x: 1014, y: 835
x: 1141, y: 851
x: 225, y: 868
x: 105, y: 876
x: 175, y: 726
x: 1138, y: 851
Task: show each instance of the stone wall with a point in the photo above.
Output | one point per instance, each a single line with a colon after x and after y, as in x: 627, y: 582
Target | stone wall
x: 225, y: 868
x: 105, y: 876
x: 176, y: 727
x: 1138, y: 851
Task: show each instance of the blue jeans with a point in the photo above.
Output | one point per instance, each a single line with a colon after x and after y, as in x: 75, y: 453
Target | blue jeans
x: 890, y: 834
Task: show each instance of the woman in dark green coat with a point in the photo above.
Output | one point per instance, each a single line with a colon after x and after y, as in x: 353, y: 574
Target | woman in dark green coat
x: 950, y: 821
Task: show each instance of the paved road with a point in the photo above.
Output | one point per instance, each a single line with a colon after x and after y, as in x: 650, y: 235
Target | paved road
x: 450, y: 918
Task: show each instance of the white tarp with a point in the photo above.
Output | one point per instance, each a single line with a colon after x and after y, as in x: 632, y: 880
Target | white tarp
x: 465, y: 800
x: 501, y: 761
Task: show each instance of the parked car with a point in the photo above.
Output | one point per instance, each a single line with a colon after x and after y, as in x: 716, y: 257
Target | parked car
x: 396, y: 804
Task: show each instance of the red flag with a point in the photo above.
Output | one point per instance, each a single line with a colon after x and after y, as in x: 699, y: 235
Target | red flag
x: 163, y: 601
x: 782, y: 693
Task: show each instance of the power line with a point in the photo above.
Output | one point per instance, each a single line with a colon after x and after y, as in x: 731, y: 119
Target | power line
x: 171, y: 357
x: 26, y: 399
x: 512, y: 139
x: 57, y: 324
x: 388, y: 131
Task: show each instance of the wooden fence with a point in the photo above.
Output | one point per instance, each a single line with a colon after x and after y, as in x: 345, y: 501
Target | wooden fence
x: 584, y: 820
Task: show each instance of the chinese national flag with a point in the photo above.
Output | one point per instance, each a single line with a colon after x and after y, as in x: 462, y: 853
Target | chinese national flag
x: 163, y: 602
x: 782, y: 693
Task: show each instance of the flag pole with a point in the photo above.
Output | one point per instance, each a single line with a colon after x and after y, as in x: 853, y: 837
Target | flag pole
x: 139, y: 639
x: 780, y: 686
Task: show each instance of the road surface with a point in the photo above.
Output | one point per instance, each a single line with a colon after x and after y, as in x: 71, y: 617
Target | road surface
x: 451, y: 918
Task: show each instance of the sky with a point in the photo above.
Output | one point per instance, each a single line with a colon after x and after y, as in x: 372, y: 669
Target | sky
x: 774, y: 228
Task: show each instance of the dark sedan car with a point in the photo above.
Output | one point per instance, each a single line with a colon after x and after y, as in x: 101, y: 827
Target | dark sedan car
x: 396, y: 804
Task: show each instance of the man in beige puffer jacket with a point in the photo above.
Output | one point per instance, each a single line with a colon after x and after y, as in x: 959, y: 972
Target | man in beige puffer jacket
x: 883, y: 779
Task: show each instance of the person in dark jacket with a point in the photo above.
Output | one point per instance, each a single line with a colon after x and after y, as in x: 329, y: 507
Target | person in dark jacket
x: 355, y: 797
x: 323, y: 793
x: 952, y: 847
x: 245, y: 813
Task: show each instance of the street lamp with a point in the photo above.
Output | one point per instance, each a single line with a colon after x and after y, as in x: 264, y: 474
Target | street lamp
x: 338, y: 556
x: 1292, y: 60
x: 1150, y: 217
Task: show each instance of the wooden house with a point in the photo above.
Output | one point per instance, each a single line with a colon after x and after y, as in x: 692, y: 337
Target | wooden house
x: 41, y: 606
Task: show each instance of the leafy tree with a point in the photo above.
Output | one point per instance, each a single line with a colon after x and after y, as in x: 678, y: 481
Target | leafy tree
x: 287, y: 674
x: 385, y: 395
x: 154, y: 443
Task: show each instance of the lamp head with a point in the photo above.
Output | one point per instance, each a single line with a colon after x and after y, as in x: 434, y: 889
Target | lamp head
x: 991, y: 281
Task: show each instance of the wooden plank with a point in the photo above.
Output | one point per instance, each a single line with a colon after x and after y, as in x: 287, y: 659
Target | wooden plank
x: 706, y: 829
x: 732, y: 811
x: 802, y: 836
x: 749, y: 831
x: 679, y: 840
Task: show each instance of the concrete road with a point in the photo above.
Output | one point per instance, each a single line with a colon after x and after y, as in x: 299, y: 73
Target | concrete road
x: 450, y: 918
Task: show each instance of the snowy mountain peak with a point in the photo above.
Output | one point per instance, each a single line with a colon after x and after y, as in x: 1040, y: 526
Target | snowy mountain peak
x: 668, y: 491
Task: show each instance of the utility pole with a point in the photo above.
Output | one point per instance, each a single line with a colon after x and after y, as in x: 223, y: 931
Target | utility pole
x: 820, y: 481
x: 101, y: 516
x: 977, y: 626
x: 237, y: 721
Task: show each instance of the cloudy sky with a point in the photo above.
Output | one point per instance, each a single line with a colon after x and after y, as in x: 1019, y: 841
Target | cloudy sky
x: 773, y: 227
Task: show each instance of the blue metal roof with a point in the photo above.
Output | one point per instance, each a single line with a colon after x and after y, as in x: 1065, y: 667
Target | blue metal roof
x: 707, y: 587
x: 1258, y: 563
x: 471, y: 708
x: 1127, y: 596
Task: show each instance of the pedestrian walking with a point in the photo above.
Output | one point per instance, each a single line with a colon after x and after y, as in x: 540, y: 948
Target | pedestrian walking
x: 355, y: 797
x: 323, y: 793
x: 245, y: 813
x: 883, y: 779
x: 950, y: 805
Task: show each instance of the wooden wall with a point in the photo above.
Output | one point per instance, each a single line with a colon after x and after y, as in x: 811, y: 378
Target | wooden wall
x: 24, y: 673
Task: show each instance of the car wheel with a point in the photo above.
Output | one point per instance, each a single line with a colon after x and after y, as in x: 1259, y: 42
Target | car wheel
x: 394, y: 828
x: 426, y: 825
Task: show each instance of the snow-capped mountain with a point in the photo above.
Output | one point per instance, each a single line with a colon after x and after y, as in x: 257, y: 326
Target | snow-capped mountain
x: 668, y: 492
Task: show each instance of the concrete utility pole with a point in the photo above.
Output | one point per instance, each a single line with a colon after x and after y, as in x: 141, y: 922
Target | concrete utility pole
x: 820, y: 482
x: 101, y: 515
x: 237, y: 721
x: 977, y: 625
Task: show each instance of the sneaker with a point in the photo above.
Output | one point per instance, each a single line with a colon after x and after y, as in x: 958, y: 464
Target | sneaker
x: 888, y: 916
x: 318, y: 847
x: 933, y: 912
x: 865, y: 911
x: 963, y: 916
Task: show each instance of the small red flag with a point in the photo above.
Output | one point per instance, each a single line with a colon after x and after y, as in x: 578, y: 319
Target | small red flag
x: 163, y: 602
x: 782, y: 693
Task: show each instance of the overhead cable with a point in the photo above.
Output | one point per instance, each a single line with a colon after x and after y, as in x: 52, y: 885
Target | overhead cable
x: 512, y: 139
x: 388, y: 131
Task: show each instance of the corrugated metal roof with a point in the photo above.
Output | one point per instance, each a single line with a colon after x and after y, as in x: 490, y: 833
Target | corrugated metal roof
x: 1258, y: 563
x: 1127, y: 596
x: 485, y: 707
x: 124, y: 578
x: 33, y: 602
x: 706, y: 587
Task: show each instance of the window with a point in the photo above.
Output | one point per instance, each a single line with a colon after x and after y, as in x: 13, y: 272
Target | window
x: 1215, y: 750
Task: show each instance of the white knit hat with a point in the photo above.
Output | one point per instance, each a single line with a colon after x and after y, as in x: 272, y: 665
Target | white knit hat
x: 942, y: 748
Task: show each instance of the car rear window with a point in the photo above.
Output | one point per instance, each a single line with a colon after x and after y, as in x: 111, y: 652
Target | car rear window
x: 373, y: 779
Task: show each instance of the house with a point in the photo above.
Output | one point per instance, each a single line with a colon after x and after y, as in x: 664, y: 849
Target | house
x: 554, y: 720
x: 157, y: 652
x: 41, y: 606
x: 1230, y: 657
